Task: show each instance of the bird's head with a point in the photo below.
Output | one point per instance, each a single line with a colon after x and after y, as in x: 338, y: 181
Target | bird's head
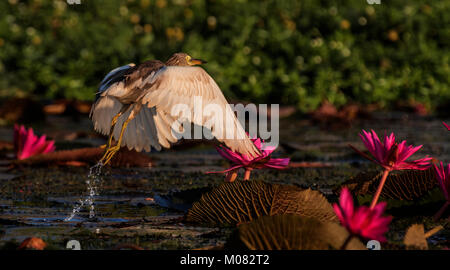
x: 183, y: 59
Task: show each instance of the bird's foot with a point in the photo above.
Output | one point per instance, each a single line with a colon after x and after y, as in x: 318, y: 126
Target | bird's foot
x: 110, y: 152
x: 104, y: 156
x: 103, y: 146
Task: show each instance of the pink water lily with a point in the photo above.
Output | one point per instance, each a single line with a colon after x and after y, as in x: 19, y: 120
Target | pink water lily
x: 363, y: 222
x: 249, y: 163
x: 391, y: 156
x: 26, y: 144
x: 443, y: 177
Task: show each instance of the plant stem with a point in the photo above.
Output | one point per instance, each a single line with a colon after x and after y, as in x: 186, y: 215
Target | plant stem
x: 231, y: 176
x: 344, y: 246
x: 433, y: 231
x: 247, y: 174
x: 441, y: 211
x: 379, y: 189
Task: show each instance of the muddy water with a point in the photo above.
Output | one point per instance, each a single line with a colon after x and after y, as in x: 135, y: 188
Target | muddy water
x: 144, y: 206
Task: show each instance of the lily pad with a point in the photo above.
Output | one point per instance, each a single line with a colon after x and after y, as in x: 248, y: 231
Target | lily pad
x: 232, y: 203
x: 244, y: 201
x: 404, y: 185
x: 416, y: 238
x: 292, y: 232
x: 308, y: 203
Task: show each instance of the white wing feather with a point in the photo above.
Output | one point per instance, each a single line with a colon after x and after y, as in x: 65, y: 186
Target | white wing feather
x: 161, y: 91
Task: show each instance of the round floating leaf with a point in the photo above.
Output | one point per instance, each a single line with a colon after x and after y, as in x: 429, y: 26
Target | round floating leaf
x: 33, y: 243
x: 292, y: 232
x: 232, y: 203
x: 308, y: 203
x: 243, y: 201
x: 403, y: 185
x: 360, y: 184
x: 415, y: 237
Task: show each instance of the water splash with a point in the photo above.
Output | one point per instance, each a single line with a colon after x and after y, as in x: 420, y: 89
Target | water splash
x: 93, y: 181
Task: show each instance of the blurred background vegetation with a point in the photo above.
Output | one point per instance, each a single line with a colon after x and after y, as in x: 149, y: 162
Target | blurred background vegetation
x: 268, y: 51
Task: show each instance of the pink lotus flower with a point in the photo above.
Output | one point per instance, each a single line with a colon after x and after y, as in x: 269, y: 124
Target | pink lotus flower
x: 391, y: 155
x: 443, y: 178
x: 362, y: 222
x: 447, y: 126
x: 27, y: 144
x: 249, y: 163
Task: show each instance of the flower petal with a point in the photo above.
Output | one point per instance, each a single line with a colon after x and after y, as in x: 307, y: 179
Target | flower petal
x: 277, y: 163
x: 447, y: 126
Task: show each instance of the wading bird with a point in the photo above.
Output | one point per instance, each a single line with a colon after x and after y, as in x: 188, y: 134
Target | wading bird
x: 134, y: 106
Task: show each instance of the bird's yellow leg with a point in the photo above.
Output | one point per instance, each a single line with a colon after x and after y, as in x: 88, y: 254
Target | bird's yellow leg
x: 113, y: 124
x: 111, y: 132
x: 113, y: 150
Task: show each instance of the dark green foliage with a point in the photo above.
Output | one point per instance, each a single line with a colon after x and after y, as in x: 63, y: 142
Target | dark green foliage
x: 288, y: 52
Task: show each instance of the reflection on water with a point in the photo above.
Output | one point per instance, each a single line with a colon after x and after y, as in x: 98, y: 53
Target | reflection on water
x: 93, y: 180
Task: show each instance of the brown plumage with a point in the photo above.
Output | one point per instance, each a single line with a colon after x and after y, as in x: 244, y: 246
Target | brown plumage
x: 138, y: 101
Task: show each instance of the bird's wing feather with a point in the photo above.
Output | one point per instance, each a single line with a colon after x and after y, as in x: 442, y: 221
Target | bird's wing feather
x: 161, y: 88
x: 106, y: 106
x: 112, y: 77
x: 102, y: 113
x: 179, y: 85
x: 142, y: 132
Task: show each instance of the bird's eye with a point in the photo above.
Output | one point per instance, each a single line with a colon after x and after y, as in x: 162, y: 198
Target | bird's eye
x: 188, y: 58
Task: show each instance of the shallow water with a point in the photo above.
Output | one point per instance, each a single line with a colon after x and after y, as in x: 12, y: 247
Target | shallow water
x: 144, y: 206
x: 93, y: 181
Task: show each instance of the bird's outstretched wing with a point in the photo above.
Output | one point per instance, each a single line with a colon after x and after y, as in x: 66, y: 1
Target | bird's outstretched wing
x: 106, y: 106
x: 174, y: 89
x: 118, y: 90
x: 115, y: 75
x: 162, y: 90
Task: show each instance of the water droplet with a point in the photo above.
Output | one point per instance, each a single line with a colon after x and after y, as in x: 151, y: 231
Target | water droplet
x: 93, y: 180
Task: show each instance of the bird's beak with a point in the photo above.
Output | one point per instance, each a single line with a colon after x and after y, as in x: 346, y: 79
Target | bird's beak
x: 197, y: 62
